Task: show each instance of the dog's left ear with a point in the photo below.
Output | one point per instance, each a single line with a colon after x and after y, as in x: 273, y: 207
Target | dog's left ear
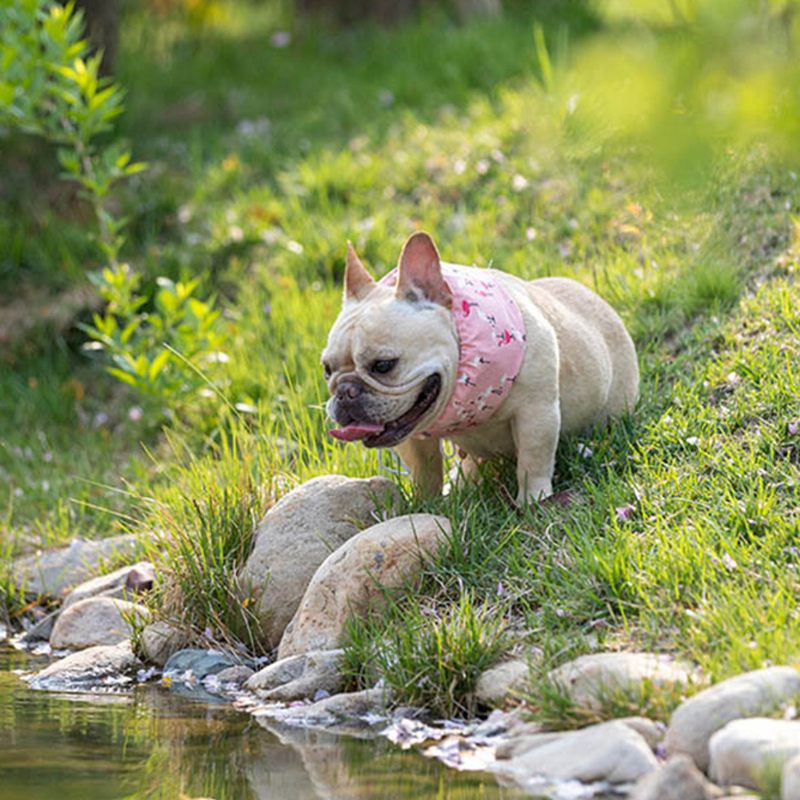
x: 420, y: 272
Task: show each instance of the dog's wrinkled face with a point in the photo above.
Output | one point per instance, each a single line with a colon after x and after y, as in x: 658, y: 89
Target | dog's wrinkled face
x: 392, y: 354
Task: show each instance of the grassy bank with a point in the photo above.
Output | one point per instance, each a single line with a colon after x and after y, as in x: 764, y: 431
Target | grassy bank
x: 681, y: 533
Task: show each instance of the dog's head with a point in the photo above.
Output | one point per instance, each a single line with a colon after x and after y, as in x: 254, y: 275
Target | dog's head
x: 392, y: 354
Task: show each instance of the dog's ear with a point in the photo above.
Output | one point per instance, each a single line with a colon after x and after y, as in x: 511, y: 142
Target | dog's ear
x: 357, y: 281
x: 420, y: 272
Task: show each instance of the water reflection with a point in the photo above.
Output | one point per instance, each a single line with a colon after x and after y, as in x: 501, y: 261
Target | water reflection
x: 153, y: 745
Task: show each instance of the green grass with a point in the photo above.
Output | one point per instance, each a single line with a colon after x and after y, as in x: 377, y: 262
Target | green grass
x: 683, y: 531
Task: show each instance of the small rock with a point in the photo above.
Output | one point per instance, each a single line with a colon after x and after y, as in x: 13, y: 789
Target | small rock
x: 95, y: 621
x: 650, y: 731
x: 199, y: 663
x: 160, y: 640
x: 610, y: 752
x: 53, y: 572
x: 589, y: 679
x: 239, y: 674
x: 678, y: 779
x: 298, y: 533
x: 354, y: 578
x: 115, y: 584
x: 40, y: 631
x: 790, y: 779
x: 749, y: 695
x: 338, y: 707
x: 140, y: 578
x: 299, y: 677
x: 502, y: 681
x: 742, y: 750
x: 96, y: 666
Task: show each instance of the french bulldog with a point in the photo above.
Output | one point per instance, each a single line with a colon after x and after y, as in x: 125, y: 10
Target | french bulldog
x: 498, y: 365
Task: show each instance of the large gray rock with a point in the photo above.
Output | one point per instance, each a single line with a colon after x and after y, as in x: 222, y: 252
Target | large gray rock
x: 54, y: 572
x: 298, y: 533
x: 96, y: 621
x: 105, y: 665
x: 299, y: 677
x: 589, y: 679
x: 610, y: 752
x: 790, y: 779
x: 353, y: 579
x: 502, y: 682
x: 746, y: 749
x: 678, y: 779
x: 160, y: 640
x: 119, y: 584
x: 752, y: 694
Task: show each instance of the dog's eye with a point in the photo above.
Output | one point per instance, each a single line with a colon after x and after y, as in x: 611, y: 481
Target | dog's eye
x: 327, y: 371
x: 382, y: 367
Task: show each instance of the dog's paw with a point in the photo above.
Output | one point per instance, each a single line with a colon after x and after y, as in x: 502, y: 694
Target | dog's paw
x: 534, y: 492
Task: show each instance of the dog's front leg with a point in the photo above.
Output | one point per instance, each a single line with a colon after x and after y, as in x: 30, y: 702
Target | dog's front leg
x: 536, y: 436
x: 424, y: 458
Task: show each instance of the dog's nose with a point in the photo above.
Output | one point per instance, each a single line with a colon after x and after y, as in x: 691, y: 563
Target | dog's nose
x: 348, y: 390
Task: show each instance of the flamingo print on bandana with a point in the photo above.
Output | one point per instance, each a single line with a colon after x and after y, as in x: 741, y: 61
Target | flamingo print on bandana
x: 491, y: 336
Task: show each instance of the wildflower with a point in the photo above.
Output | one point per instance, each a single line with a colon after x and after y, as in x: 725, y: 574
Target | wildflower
x: 482, y: 166
x: 519, y: 182
x: 625, y: 512
x: 793, y: 427
x: 530, y: 234
x: 584, y: 450
x: 135, y: 413
x: 280, y: 39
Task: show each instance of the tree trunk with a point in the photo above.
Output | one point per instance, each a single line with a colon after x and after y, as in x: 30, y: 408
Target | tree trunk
x: 387, y: 12
x: 102, y: 27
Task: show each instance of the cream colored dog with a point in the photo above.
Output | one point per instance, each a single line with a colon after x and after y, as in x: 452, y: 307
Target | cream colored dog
x: 498, y: 365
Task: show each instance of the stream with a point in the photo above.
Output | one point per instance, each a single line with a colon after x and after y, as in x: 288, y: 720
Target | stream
x: 151, y: 744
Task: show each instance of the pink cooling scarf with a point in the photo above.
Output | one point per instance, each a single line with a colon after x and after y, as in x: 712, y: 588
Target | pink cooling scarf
x: 491, y: 336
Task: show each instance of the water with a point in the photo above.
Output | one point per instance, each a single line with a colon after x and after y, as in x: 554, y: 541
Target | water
x: 153, y: 745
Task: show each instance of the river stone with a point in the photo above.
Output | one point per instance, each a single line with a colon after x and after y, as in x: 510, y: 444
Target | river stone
x: 239, y: 674
x: 588, y: 679
x: 502, y: 682
x: 745, y: 749
x: 159, y: 640
x: 298, y: 533
x: 95, y: 621
x: 610, y: 751
x: 749, y: 695
x: 678, y: 779
x: 115, y: 584
x: 353, y: 579
x: 650, y: 731
x: 199, y: 662
x: 53, y: 572
x: 88, y: 669
x: 333, y: 709
x: 299, y: 677
x: 790, y: 779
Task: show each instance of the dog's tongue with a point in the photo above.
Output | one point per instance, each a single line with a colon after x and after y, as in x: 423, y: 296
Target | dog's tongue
x: 356, y: 431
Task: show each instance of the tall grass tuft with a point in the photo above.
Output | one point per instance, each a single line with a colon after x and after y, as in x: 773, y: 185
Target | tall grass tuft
x: 429, y: 657
x: 204, y: 527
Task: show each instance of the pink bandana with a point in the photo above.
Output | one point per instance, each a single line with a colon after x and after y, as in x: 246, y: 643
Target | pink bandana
x: 491, y: 336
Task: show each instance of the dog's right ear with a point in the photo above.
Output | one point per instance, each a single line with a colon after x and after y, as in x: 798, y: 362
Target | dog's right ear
x: 358, y: 282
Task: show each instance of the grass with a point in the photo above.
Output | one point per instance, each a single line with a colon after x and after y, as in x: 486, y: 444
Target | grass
x: 682, y: 535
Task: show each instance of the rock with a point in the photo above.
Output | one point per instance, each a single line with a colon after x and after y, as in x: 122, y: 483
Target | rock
x: 745, y: 749
x: 199, y: 663
x: 524, y: 743
x: 502, y: 681
x: 159, y: 641
x: 115, y: 584
x: 104, y: 665
x: 299, y: 677
x: 239, y: 674
x: 353, y: 578
x: 749, y: 695
x: 95, y: 621
x: 610, y: 752
x: 589, y: 679
x: 41, y: 630
x: 790, y: 779
x: 338, y: 707
x: 650, y: 731
x: 53, y: 572
x: 298, y: 533
x: 678, y: 779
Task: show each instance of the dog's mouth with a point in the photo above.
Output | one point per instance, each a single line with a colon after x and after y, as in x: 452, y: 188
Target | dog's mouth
x: 387, y: 434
